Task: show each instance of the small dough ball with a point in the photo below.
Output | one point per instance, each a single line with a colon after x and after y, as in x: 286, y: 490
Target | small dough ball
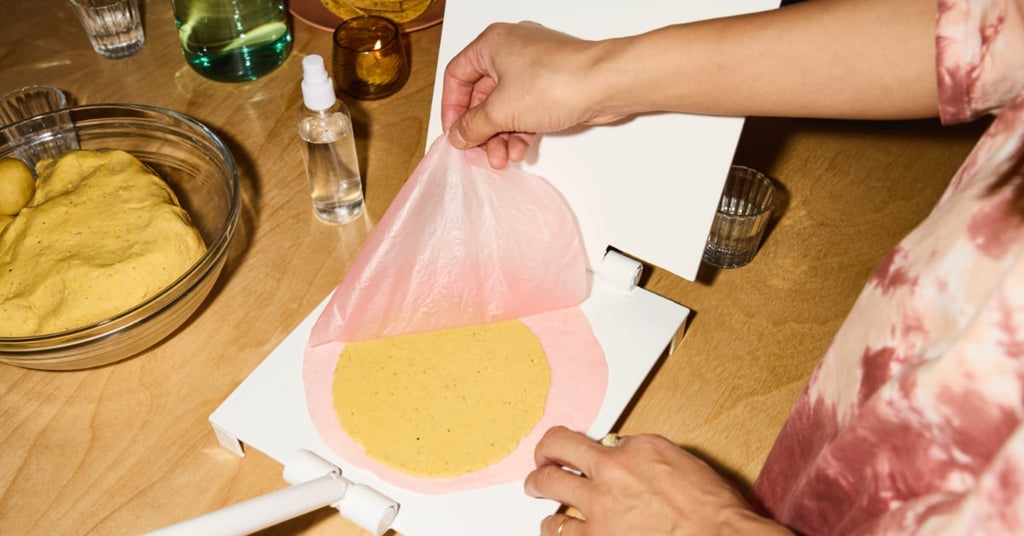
x: 16, y: 186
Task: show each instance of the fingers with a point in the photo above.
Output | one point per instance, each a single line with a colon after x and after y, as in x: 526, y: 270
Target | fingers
x: 501, y: 148
x: 477, y: 125
x: 461, y: 108
x: 454, y: 101
x: 560, y: 525
x: 497, y: 151
x: 558, y: 484
x: 460, y: 79
x: 565, y: 447
x: 518, y: 145
x: 559, y: 453
x: 469, y: 78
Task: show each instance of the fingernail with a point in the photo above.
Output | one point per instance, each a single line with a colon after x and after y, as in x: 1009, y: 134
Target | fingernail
x: 455, y: 138
x: 528, y: 489
x: 496, y: 163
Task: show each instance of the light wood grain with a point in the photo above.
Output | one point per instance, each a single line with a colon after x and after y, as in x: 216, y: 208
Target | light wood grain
x: 127, y: 448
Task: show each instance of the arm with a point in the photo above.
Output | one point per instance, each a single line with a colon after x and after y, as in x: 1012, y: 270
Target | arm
x: 644, y: 485
x: 821, y: 58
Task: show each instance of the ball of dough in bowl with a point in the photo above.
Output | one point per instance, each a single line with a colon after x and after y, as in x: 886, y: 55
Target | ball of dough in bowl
x: 17, y: 184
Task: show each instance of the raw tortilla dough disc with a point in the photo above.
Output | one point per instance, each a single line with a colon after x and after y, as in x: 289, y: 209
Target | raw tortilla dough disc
x: 442, y: 403
x: 579, y: 376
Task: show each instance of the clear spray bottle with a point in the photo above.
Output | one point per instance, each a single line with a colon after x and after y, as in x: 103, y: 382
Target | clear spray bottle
x: 328, y: 147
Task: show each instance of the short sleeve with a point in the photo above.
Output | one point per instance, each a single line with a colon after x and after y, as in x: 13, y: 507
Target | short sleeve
x: 979, y: 59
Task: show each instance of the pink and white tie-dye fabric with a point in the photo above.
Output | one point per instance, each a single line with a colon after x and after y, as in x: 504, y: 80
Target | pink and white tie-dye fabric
x: 912, y: 422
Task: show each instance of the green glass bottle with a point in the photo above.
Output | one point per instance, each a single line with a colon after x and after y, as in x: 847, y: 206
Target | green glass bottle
x: 233, y: 40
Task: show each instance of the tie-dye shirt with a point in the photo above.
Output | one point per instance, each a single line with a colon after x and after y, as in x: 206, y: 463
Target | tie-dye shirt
x: 912, y: 421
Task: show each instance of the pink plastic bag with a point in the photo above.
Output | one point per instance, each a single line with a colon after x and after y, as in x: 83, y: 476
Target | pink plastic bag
x: 462, y: 244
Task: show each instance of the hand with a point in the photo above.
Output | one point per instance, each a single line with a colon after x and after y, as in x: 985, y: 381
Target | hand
x: 513, y: 81
x: 646, y: 485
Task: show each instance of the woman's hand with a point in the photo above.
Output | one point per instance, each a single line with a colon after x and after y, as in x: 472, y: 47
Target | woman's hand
x: 646, y: 485
x: 515, y: 80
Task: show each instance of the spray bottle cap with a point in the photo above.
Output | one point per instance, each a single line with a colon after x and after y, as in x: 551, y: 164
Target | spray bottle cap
x: 317, y: 88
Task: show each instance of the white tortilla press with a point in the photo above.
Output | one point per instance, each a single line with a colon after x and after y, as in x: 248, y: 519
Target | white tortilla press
x: 646, y: 189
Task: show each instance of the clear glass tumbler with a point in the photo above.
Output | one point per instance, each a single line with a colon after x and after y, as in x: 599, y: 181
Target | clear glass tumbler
x: 114, y: 27
x: 743, y: 212
x: 53, y: 134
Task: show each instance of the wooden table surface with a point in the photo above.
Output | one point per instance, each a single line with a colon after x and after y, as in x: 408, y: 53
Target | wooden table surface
x: 127, y: 448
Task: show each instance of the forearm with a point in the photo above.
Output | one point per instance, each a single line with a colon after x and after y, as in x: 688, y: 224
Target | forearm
x: 820, y: 58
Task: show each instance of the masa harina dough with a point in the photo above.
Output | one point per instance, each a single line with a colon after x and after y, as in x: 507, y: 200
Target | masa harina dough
x: 101, y: 234
x: 442, y: 403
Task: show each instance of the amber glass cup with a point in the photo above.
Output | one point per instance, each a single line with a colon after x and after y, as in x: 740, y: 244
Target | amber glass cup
x: 369, y: 60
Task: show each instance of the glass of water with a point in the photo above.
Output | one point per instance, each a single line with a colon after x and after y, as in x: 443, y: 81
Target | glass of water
x: 743, y: 212
x: 114, y: 27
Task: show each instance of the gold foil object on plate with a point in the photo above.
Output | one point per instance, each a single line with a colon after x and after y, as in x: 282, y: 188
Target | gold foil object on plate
x: 399, y: 11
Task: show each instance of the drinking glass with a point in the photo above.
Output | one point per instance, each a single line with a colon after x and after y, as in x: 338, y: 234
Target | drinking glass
x: 27, y: 114
x: 743, y: 212
x: 369, y: 57
x: 114, y: 27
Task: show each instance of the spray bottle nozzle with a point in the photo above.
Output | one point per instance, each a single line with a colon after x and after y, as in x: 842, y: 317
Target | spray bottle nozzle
x: 313, y: 68
x: 317, y: 88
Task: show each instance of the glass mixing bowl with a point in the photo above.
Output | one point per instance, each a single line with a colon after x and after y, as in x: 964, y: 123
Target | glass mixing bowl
x: 201, y: 171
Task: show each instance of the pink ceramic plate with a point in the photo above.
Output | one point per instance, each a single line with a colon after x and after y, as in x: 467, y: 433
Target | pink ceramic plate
x: 315, y: 14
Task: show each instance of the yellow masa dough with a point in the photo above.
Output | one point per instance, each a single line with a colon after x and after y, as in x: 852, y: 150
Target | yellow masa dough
x: 443, y: 403
x: 101, y: 234
x: 16, y: 186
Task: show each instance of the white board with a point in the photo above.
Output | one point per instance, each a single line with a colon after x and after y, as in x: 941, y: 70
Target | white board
x: 648, y: 187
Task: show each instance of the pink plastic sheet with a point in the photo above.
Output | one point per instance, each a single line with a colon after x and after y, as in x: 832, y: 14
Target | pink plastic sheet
x: 463, y: 244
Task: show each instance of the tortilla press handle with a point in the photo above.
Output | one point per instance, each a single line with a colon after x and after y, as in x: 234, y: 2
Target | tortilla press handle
x: 360, y: 504
x: 315, y: 484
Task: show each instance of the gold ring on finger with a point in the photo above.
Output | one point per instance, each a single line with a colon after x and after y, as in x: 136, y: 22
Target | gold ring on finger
x: 611, y: 440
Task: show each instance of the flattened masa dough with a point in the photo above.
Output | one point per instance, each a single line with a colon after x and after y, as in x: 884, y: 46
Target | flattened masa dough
x: 443, y: 403
x: 101, y: 234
